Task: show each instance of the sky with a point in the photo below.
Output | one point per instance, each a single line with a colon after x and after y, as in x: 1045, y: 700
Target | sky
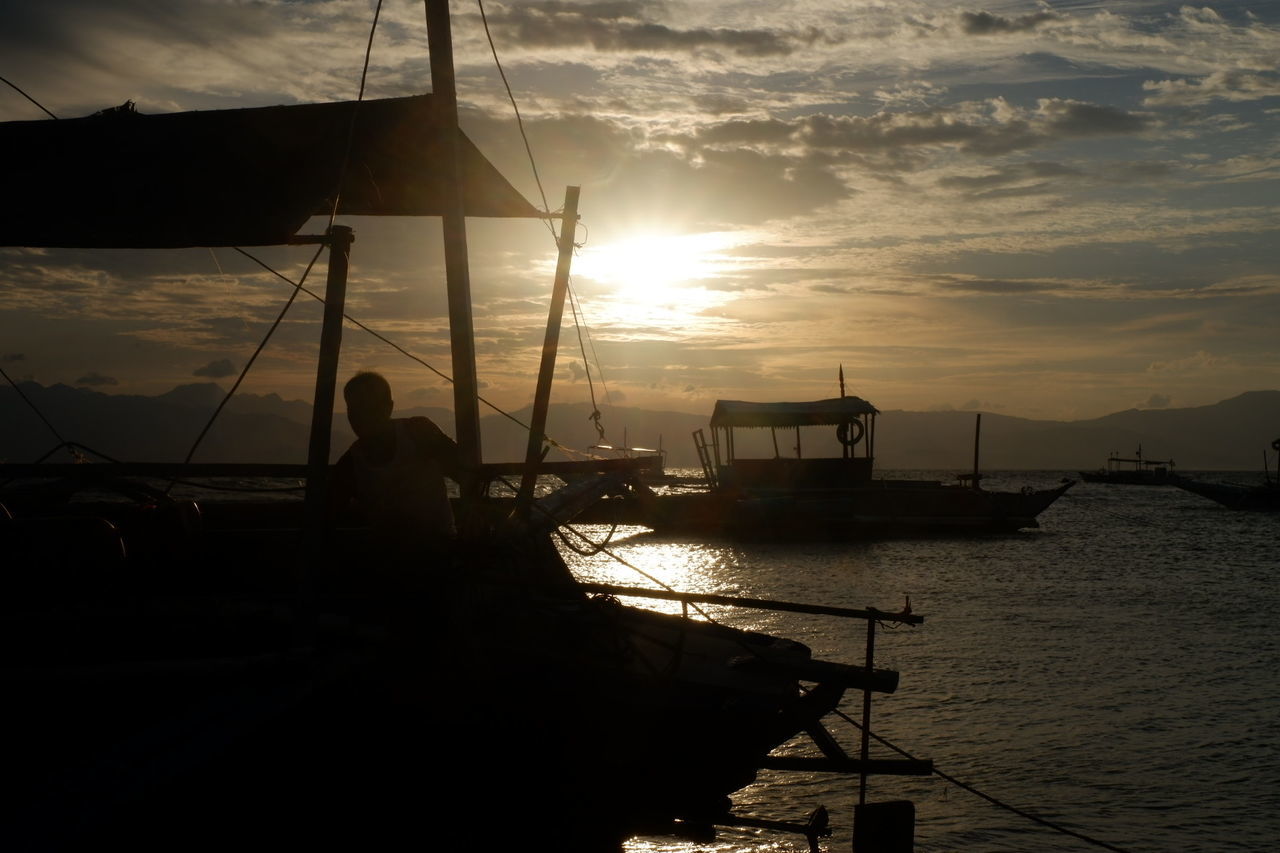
x: 1043, y: 209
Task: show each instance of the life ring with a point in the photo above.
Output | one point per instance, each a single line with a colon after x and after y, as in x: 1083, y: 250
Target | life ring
x: 842, y: 433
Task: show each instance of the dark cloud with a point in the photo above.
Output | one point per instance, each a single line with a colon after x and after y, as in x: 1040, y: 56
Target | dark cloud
x: 1156, y: 401
x: 216, y: 369
x: 1064, y: 117
x: 93, y: 379
x: 985, y: 23
x: 622, y: 27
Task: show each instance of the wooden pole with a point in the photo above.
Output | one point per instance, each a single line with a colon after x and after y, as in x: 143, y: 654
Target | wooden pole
x: 466, y: 408
x: 977, y: 433
x: 550, y: 343
x: 335, y: 295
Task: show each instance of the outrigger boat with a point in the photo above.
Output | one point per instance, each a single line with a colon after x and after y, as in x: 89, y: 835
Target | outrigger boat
x: 789, y: 495
x: 1145, y: 472
x: 1264, y: 496
x: 245, y: 675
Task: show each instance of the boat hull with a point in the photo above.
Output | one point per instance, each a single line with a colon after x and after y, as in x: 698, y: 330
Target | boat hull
x: 1260, y: 498
x: 192, y: 698
x: 879, y: 508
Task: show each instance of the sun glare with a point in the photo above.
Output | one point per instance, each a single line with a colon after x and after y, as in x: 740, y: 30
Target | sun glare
x: 655, y: 267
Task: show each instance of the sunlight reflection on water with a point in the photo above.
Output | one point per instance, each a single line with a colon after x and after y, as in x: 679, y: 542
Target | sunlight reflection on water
x: 1112, y: 671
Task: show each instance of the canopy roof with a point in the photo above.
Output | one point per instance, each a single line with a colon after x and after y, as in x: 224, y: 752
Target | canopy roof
x: 736, y: 413
x: 245, y: 177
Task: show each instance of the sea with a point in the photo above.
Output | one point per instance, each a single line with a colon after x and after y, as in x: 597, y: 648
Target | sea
x: 1115, y: 672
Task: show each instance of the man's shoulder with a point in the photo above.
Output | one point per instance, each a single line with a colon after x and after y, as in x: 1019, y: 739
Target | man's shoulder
x: 425, y: 432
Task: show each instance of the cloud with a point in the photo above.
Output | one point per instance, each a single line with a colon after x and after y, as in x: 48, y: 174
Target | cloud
x: 216, y: 369
x: 1231, y: 85
x: 985, y: 23
x: 94, y: 379
x: 622, y: 27
x: 1156, y: 401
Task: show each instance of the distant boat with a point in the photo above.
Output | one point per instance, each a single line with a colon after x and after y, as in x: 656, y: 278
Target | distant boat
x: 1264, y: 496
x: 1145, y: 472
x: 792, y: 496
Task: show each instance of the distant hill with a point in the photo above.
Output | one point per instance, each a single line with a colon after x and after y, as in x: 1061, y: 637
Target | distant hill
x: 1230, y: 435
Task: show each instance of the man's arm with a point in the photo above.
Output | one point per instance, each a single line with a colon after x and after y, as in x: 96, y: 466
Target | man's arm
x: 432, y: 440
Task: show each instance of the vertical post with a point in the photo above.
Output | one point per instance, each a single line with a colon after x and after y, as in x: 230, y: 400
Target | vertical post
x: 977, y: 433
x: 865, y: 752
x: 466, y: 408
x: 550, y: 343
x: 339, y: 238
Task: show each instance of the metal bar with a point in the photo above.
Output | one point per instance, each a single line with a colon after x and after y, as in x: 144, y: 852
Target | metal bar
x: 335, y: 295
x: 466, y: 407
x: 755, y: 603
x: 865, y: 754
x: 550, y: 344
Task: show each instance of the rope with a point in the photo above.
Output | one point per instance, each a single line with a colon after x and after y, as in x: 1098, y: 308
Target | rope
x: 353, y: 321
x: 990, y: 799
x: 245, y: 372
x: 15, y: 88
x: 595, y: 408
x: 351, y: 127
x: 484, y: 20
x: 62, y: 442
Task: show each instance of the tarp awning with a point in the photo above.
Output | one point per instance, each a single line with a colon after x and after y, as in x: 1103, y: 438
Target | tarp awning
x: 244, y: 177
x: 736, y: 413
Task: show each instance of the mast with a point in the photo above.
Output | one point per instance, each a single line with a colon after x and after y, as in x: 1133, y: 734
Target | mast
x: 466, y: 410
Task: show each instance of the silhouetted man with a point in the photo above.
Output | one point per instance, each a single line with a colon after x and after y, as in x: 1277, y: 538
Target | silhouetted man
x: 393, y: 474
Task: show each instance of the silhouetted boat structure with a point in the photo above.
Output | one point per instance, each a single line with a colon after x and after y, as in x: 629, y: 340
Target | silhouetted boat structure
x: 242, y: 675
x: 789, y: 497
x: 1263, y: 496
x: 1144, y: 472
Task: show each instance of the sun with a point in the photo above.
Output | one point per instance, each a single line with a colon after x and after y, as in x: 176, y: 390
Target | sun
x: 655, y: 267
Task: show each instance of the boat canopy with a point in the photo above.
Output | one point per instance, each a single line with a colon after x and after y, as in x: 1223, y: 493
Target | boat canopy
x: 736, y: 413
x: 243, y: 177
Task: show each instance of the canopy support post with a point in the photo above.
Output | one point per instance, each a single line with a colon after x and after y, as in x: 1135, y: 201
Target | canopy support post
x: 339, y: 239
x: 550, y: 343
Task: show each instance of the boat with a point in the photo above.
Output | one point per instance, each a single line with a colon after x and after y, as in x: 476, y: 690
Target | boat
x: 1145, y: 472
x: 759, y: 491
x: 1261, y: 497
x: 250, y: 675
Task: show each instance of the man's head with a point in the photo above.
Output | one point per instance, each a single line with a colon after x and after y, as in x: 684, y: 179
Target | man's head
x: 369, y: 403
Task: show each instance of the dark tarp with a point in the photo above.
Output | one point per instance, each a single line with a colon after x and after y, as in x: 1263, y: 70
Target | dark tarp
x: 735, y: 413
x: 246, y: 177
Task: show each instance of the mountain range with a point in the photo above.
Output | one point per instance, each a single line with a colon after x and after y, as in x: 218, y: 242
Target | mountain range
x: 1229, y: 435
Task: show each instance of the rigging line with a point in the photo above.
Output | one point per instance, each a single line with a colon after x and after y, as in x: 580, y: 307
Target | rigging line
x: 973, y: 790
x: 62, y: 442
x: 595, y: 356
x: 15, y: 88
x: 546, y: 208
x: 586, y: 365
x: 317, y: 297
x: 249, y: 364
x: 351, y: 128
